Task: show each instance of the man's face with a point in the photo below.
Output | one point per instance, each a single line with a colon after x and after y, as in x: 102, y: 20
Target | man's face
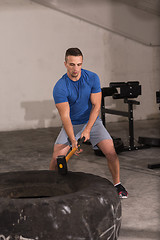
x: 74, y: 65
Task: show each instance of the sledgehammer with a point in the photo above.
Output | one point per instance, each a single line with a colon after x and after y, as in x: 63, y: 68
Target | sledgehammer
x: 62, y: 159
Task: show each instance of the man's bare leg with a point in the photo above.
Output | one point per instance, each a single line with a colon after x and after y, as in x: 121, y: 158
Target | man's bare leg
x: 59, y: 149
x: 107, y: 147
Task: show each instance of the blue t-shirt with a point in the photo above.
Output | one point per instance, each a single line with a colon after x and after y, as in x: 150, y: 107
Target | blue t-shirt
x: 77, y: 94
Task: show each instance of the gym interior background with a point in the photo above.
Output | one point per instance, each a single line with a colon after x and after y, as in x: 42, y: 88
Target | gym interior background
x: 120, y: 41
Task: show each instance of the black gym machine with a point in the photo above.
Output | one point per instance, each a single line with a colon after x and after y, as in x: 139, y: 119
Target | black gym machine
x: 126, y: 91
x: 152, y: 142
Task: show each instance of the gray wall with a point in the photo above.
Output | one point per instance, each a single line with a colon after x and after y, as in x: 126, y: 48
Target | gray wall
x: 137, y: 20
x: 32, y: 45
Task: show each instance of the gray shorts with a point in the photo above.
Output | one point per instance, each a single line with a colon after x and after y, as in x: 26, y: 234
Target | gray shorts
x: 97, y: 134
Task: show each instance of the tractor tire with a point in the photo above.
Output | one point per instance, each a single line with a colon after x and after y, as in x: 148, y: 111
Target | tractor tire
x: 38, y: 205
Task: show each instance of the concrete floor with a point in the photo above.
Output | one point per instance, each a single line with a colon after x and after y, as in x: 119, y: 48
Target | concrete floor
x: 32, y: 150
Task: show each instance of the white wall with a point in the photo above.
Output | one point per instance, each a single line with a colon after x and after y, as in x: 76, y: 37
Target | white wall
x: 33, y: 40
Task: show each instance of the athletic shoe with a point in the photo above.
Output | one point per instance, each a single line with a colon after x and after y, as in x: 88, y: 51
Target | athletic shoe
x: 121, y: 191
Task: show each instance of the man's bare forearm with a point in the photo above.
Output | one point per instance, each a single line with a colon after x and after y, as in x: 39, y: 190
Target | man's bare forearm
x: 67, y: 124
x: 92, y: 118
x: 64, y: 111
x: 96, y: 105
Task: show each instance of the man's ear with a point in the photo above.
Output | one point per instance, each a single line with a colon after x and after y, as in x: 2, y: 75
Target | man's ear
x: 65, y: 63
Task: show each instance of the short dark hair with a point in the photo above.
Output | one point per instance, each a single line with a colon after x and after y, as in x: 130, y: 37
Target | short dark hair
x: 73, y: 52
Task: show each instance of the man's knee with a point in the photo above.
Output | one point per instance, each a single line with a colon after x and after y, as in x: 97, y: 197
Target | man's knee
x: 107, y: 146
x: 111, y: 156
x: 60, y: 149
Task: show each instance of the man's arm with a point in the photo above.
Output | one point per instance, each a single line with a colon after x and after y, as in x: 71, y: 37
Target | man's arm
x: 96, y: 106
x: 64, y: 111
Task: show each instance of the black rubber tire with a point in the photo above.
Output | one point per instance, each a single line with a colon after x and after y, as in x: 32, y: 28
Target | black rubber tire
x: 42, y: 205
x: 118, y: 144
x: 153, y: 142
x: 154, y: 165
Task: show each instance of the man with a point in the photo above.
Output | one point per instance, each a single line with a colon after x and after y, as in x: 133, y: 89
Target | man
x: 77, y: 96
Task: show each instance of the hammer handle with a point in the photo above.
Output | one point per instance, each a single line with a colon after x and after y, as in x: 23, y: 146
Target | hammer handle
x: 71, y: 153
x: 80, y: 141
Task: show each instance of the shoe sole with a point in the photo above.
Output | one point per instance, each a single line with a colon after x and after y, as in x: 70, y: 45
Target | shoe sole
x: 121, y: 196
